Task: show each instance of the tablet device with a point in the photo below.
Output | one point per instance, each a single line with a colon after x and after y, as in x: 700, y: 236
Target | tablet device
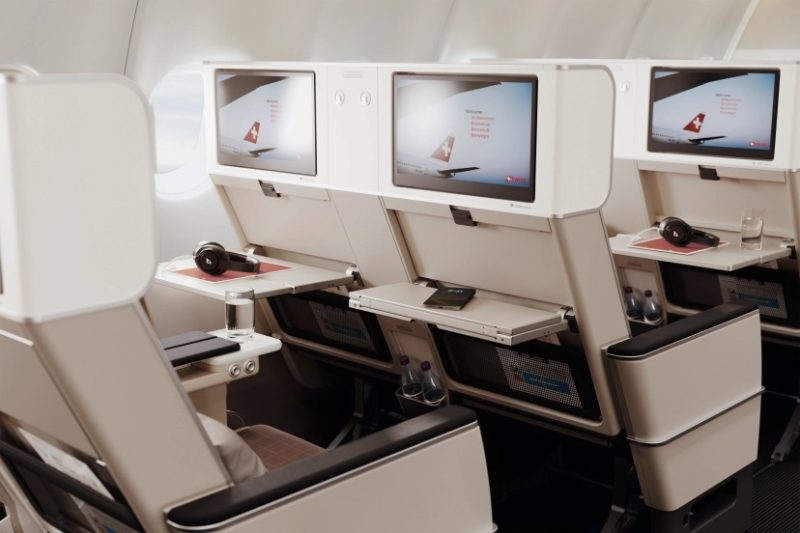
x: 447, y: 298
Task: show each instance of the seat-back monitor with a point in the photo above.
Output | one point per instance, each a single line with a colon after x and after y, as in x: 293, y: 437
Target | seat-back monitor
x: 711, y: 111
x: 266, y: 120
x: 465, y: 134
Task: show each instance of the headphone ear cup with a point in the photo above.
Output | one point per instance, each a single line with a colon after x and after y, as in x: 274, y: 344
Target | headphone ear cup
x: 211, y: 258
x: 675, y: 231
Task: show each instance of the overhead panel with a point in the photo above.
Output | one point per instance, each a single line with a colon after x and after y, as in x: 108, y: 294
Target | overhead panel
x: 771, y: 32
x: 687, y: 29
x: 67, y: 36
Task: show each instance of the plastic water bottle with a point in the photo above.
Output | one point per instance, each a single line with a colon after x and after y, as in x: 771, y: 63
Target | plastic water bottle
x: 651, y: 309
x: 632, y: 307
x: 432, y: 391
x: 410, y: 381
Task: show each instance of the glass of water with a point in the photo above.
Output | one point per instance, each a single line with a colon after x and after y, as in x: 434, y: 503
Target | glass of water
x: 752, y: 228
x: 240, y: 313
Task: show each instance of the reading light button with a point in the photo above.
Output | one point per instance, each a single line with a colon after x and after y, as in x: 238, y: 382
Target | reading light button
x: 365, y: 99
x: 338, y: 97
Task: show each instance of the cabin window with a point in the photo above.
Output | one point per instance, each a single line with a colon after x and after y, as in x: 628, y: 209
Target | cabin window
x: 177, y: 103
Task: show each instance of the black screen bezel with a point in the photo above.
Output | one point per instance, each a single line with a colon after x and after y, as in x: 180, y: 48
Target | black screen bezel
x: 740, y: 153
x: 266, y: 164
x: 500, y: 192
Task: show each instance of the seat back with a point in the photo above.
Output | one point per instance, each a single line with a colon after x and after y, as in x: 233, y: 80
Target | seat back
x: 88, y: 396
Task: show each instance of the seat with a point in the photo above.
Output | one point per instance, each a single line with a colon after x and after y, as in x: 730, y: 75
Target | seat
x: 253, y: 451
x: 277, y: 448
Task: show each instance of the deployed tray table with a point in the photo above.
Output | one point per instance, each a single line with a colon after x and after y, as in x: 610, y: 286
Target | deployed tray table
x: 727, y: 258
x: 482, y: 317
x: 293, y: 279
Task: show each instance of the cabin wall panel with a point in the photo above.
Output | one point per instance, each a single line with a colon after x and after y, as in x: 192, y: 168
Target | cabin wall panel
x: 66, y: 35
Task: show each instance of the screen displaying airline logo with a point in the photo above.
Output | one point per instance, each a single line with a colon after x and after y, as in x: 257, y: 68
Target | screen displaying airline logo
x: 252, y: 133
x: 464, y: 135
x: 696, y: 123
x: 726, y: 112
x: 283, y: 103
x: 442, y: 153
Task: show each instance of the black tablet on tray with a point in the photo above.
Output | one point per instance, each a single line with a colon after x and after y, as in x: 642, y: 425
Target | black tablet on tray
x: 449, y: 298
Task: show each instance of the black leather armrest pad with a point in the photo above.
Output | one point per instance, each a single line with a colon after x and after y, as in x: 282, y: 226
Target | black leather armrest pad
x: 254, y: 493
x: 197, y: 351
x: 676, y: 331
x: 190, y: 337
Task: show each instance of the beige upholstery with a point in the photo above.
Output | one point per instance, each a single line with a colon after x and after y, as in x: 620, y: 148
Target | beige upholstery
x: 275, y: 447
x: 240, y: 460
x: 247, y: 452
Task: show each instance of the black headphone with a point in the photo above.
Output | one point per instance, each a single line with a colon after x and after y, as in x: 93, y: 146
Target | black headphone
x: 211, y: 258
x: 676, y: 231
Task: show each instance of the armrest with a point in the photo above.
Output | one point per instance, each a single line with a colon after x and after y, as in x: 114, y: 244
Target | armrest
x: 195, y: 346
x: 659, y: 338
x: 245, y: 497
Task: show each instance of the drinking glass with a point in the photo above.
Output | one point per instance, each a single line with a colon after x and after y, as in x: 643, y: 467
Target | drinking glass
x: 239, y: 313
x: 752, y: 228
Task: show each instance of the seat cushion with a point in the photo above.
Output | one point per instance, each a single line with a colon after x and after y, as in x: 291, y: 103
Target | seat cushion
x: 240, y: 460
x: 277, y: 448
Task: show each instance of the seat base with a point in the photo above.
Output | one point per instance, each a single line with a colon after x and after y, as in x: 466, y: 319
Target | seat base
x: 277, y: 448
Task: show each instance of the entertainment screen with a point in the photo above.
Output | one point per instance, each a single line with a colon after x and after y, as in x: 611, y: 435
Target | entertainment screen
x: 724, y: 112
x: 266, y: 120
x: 464, y: 134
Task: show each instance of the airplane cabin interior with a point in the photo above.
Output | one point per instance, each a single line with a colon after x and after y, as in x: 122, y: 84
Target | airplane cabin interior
x: 450, y: 266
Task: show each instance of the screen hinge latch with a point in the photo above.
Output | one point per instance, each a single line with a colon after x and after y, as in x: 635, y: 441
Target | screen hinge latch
x: 568, y: 314
x: 790, y: 245
x: 355, y: 273
x: 269, y: 189
x: 462, y: 217
x: 708, y: 173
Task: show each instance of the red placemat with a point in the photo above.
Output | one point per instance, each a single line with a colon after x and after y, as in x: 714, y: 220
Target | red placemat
x: 660, y: 245
x: 195, y: 272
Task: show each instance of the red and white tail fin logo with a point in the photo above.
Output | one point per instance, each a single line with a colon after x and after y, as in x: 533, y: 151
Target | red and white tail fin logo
x: 442, y: 153
x: 252, y: 133
x: 696, y: 123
